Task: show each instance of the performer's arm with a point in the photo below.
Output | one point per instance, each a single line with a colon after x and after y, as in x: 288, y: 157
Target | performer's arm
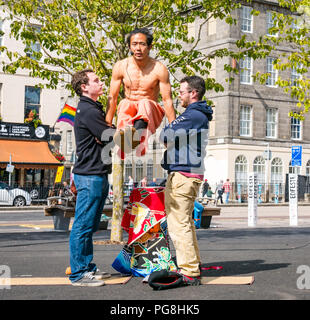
x: 165, y: 91
x: 115, y: 85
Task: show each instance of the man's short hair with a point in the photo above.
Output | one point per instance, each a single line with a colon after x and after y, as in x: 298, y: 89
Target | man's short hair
x: 145, y: 31
x: 80, y: 78
x: 196, y: 83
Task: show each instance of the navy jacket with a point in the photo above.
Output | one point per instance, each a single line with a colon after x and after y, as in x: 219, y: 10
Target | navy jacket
x: 89, y: 123
x: 186, y: 139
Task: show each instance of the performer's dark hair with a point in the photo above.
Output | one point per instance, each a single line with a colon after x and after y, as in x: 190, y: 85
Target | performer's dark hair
x: 196, y: 83
x: 78, y: 79
x: 149, y: 37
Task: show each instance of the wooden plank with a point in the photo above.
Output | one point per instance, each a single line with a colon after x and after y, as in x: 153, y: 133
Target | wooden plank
x: 228, y: 280
x: 211, y: 212
x: 52, y: 281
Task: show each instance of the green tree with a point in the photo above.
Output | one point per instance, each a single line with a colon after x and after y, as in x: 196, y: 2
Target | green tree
x: 291, y: 30
x: 77, y: 34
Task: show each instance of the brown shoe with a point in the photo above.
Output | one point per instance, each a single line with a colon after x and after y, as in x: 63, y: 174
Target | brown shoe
x: 119, y: 139
x: 130, y: 138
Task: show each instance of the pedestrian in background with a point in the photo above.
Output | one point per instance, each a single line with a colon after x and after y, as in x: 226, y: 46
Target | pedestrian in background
x: 219, y: 190
x: 130, y: 184
x: 90, y: 177
x: 187, y: 135
x: 227, y: 189
x: 205, y: 187
x: 143, y: 182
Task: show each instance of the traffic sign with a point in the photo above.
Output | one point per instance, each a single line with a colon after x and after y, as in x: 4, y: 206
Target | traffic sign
x: 296, y: 155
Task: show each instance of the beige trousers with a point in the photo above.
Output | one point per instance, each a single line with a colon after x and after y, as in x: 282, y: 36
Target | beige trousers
x: 180, y: 195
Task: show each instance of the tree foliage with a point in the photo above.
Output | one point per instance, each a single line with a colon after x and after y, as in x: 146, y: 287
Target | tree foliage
x: 77, y: 34
x: 291, y: 31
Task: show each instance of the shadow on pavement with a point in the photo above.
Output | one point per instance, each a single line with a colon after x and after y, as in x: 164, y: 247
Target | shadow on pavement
x: 15, y: 239
x: 244, y: 233
x: 233, y: 268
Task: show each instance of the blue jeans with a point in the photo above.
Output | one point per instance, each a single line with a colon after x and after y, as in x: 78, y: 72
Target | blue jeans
x: 227, y: 197
x: 92, y: 190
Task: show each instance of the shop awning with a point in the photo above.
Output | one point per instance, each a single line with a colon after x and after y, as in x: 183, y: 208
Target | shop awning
x: 27, y: 154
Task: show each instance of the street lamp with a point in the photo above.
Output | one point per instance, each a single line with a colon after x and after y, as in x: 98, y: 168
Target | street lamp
x: 267, y: 157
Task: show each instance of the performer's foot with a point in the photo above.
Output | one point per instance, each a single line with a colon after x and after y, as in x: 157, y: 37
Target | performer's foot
x: 132, y: 139
x: 119, y: 139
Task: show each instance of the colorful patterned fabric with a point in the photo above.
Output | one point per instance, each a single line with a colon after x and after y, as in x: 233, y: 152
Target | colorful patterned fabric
x: 145, y: 221
x: 146, y: 208
x: 151, y: 255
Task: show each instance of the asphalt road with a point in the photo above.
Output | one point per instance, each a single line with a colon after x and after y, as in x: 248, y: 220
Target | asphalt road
x: 277, y: 255
x: 271, y: 255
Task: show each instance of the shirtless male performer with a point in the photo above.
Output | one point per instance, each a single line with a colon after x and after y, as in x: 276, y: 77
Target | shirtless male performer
x: 143, y: 78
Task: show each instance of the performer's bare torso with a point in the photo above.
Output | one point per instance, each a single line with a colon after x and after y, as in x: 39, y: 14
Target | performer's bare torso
x: 140, y: 83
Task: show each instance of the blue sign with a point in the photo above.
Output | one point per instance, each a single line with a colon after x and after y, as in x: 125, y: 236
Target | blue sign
x: 296, y: 155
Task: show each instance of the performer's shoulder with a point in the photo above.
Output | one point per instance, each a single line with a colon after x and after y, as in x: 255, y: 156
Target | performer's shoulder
x: 119, y: 66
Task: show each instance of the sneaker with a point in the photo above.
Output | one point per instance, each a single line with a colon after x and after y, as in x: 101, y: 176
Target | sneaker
x: 191, y: 281
x: 99, y: 275
x: 88, y: 280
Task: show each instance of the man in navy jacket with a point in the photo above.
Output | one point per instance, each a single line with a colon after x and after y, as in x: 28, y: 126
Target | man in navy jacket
x: 186, y: 140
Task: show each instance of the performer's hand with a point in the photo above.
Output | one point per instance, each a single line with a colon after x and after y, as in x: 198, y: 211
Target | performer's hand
x: 98, y: 141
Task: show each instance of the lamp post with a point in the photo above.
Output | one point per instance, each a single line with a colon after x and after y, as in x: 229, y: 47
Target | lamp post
x: 267, y: 157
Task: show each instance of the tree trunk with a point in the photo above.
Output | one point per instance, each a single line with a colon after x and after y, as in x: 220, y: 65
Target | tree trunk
x: 118, y: 201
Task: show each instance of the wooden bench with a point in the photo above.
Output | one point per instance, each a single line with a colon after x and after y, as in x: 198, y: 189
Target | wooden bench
x: 207, y: 215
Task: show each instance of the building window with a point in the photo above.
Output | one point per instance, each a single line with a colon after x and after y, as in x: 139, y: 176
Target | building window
x: 241, y: 170
x: 273, y: 78
x: 276, y: 171
x: 308, y: 168
x: 32, y: 99
x: 128, y: 170
x: 276, y: 175
x: 60, y: 142
x: 34, y: 48
x: 246, y: 66
x: 270, y: 24
x: 295, y: 169
x: 149, y: 170
x: 139, y: 170
x: 245, y: 121
x: 246, y: 19
x: 295, y: 76
x: 295, y: 129
x: 259, y: 169
x: 69, y: 142
x: 1, y: 32
x: 1, y: 99
x: 271, y: 123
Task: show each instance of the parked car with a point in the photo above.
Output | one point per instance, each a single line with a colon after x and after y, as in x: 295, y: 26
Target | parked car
x: 13, y: 196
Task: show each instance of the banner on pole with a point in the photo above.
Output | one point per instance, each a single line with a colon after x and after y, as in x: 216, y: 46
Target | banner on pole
x: 252, y: 199
x: 293, y: 198
x: 59, y: 173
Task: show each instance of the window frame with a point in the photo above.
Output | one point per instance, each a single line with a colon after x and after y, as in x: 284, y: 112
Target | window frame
x: 296, y: 125
x: 246, y: 19
x: 273, y: 122
x: 36, y: 106
x: 273, y: 78
x: 246, y: 71
x: 242, y: 120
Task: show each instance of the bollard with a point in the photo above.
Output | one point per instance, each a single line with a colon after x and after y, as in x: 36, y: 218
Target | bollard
x: 293, y: 198
x: 252, y: 199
